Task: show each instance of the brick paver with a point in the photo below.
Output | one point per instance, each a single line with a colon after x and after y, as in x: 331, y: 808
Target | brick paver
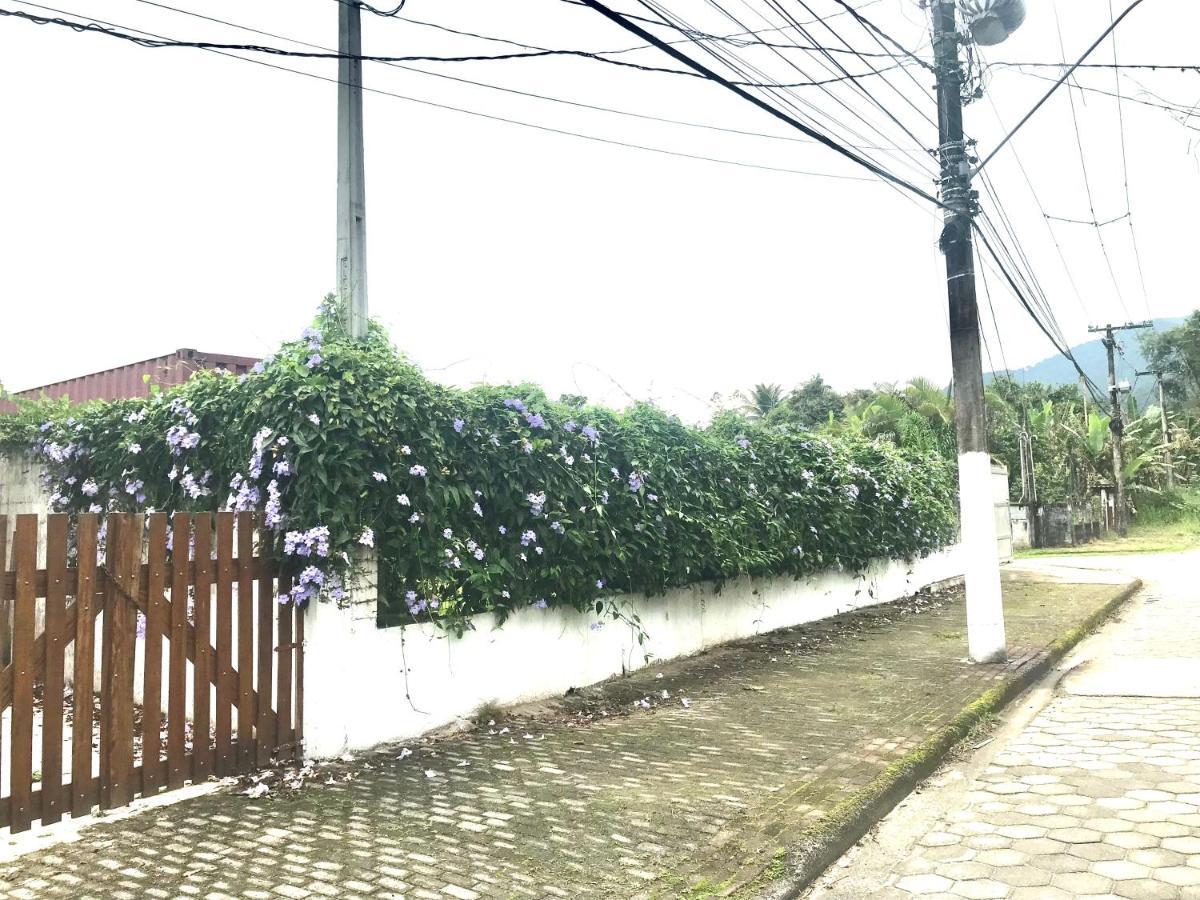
x: 1099, y: 796
x: 631, y: 803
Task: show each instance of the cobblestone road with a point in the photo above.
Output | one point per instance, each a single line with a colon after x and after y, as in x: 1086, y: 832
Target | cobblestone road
x: 776, y: 732
x: 1099, y: 795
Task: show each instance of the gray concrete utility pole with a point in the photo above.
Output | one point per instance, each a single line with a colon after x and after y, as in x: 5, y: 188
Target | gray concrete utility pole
x: 1166, y: 429
x: 985, y: 607
x: 351, y: 187
x: 1117, y: 425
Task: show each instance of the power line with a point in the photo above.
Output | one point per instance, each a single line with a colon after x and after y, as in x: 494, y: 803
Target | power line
x: 1137, y: 255
x: 1023, y: 300
x: 496, y: 118
x: 634, y: 28
x: 156, y: 44
x: 515, y: 91
x: 1059, y: 82
x: 1087, y: 184
x: 730, y: 59
x: 783, y: 96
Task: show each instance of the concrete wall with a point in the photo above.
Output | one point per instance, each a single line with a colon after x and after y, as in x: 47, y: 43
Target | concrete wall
x: 21, y: 488
x: 357, y: 675
x: 1005, y: 535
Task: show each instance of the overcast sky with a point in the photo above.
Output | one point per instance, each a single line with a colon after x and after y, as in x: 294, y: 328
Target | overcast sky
x: 163, y: 198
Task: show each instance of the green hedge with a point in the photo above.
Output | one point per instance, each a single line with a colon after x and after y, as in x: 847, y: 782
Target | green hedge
x: 489, y: 499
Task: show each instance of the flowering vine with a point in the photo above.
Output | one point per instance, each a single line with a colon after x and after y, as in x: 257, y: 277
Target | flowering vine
x: 492, y: 499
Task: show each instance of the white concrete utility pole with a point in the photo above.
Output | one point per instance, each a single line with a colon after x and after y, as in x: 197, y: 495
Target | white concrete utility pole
x: 985, y: 606
x: 351, y: 187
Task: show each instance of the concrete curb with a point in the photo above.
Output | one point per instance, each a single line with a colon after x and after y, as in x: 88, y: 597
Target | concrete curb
x: 854, y: 817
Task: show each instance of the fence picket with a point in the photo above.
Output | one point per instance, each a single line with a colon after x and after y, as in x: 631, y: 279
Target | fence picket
x: 247, y: 715
x: 24, y: 601
x: 156, y: 616
x: 265, y: 727
x: 53, y: 677
x: 5, y: 609
x: 298, y: 735
x: 177, y: 672
x: 83, y: 793
x: 283, y: 716
x: 123, y: 567
x: 203, y: 654
x: 225, y: 683
x: 5, y: 597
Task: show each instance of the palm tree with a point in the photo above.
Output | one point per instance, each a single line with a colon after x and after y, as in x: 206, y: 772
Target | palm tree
x: 762, y: 399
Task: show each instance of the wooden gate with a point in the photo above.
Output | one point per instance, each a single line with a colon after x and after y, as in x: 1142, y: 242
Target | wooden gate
x: 93, y: 629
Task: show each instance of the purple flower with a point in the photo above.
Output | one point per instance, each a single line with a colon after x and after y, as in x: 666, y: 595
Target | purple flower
x: 596, y: 626
x: 367, y: 538
x: 273, y: 515
x: 458, y: 425
x: 539, y: 604
x: 503, y: 530
x: 310, y: 334
x: 314, y: 361
x: 135, y: 448
x: 314, y: 418
x: 415, y: 518
x: 557, y: 527
x: 45, y: 426
x: 535, y: 420
x: 403, y: 500
x: 515, y: 404
x: 418, y: 470
x: 852, y: 492
x: 743, y: 442
x: 258, y: 368
x: 526, y: 446
x: 477, y: 509
x: 447, y: 533
x: 591, y: 434
x: 90, y: 488
x: 599, y: 584
x: 379, y: 476
x: 537, y: 502
x: 604, y: 496
x: 282, y: 468
x: 653, y: 498
x: 635, y: 482
x: 569, y: 426
x: 134, y: 487
x: 478, y: 553
x: 527, y: 538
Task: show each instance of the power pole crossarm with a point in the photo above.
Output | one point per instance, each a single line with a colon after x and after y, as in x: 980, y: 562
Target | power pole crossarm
x: 985, y: 608
x: 351, y: 174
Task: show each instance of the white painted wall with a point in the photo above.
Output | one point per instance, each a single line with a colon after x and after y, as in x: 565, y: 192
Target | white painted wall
x: 355, y: 684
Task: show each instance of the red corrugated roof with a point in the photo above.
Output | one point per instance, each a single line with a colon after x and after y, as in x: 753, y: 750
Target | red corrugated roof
x: 130, y: 381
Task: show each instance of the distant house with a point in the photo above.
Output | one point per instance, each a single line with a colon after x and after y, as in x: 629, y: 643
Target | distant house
x: 130, y: 380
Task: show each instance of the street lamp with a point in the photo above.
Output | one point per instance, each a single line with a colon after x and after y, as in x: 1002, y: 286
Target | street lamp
x: 992, y: 21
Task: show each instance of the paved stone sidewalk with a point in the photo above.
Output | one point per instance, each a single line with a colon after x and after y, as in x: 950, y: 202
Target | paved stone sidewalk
x: 675, y: 801
x: 1099, y: 795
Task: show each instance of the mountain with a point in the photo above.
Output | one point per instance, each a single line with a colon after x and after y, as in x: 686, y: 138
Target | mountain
x: 1093, y: 359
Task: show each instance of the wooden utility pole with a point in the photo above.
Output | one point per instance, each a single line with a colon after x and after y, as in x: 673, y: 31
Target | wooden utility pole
x: 1117, y: 425
x: 351, y: 188
x: 985, y: 608
x: 1166, y: 430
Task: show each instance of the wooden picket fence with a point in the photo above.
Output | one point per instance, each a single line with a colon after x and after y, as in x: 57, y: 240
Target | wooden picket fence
x: 234, y: 659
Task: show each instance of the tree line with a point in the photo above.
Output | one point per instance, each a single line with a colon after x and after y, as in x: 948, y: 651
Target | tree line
x: 1068, y: 433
